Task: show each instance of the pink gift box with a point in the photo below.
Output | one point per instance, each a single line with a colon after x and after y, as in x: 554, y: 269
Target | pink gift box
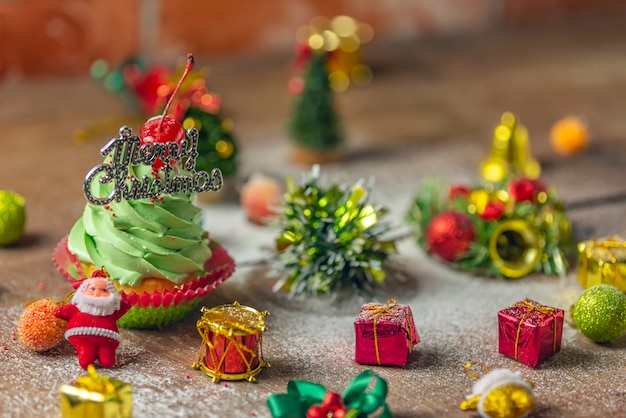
x: 385, y: 334
x: 530, y: 332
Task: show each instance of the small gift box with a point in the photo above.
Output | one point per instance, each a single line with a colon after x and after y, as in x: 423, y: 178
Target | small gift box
x: 385, y: 334
x: 602, y: 261
x: 530, y: 332
x: 231, y: 342
x: 96, y: 396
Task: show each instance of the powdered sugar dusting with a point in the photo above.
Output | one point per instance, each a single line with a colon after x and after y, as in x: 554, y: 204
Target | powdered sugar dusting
x: 313, y: 338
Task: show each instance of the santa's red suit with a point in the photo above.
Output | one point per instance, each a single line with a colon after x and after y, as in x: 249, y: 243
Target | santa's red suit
x: 94, y: 337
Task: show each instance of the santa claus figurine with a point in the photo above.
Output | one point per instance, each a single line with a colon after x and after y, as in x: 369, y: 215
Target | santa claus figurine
x: 92, y: 316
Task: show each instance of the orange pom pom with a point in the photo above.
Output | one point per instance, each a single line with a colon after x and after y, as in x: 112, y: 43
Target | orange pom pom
x: 38, y: 329
x: 260, y: 197
x: 569, y: 135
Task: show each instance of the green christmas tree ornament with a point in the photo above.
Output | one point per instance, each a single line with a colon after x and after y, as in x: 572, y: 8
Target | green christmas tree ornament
x: 12, y: 217
x: 314, y: 124
x: 600, y: 313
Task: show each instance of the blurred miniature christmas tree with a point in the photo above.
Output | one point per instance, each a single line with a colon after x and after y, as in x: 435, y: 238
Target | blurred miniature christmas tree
x: 216, y: 146
x: 147, y: 87
x: 314, y: 125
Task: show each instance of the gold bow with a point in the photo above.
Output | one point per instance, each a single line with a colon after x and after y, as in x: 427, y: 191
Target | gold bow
x: 377, y: 311
x: 530, y: 308
x: 94, y: 382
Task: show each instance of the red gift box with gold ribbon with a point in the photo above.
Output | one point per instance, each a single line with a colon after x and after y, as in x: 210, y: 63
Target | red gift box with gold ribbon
x: 530, y: 332
x: 385, y: 334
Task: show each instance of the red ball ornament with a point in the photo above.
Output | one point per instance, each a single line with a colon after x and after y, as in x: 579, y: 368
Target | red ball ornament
x: 450, y: 234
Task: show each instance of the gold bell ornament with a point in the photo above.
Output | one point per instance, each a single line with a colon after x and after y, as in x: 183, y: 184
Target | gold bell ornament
x: 510, y: 152
x: 500, y: 393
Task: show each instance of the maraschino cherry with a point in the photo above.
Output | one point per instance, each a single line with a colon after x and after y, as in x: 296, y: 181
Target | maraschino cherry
x: 164, y: 128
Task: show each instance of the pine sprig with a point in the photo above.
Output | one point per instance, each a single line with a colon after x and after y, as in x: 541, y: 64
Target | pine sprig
x: 330, y: 238
x: 429, y: 202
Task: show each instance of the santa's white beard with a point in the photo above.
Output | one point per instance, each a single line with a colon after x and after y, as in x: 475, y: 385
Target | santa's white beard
x: 97, y: 305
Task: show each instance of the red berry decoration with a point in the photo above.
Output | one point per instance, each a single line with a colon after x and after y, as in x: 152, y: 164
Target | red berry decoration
x: 317, y: 411
x: 493, y: 211
x: 332, y: 401
x: 525, y: 189
x: 332, y: 407
x: 458, y: 190
x: 450, y: 234
x: 340, y: 413
x: 163, y: 128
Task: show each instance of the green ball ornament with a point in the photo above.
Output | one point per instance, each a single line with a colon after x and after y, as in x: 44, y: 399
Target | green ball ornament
x: 12, y: 217
x: 600, y: 313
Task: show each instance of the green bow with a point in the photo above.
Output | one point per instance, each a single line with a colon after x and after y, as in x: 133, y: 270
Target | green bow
x: 301, y: 395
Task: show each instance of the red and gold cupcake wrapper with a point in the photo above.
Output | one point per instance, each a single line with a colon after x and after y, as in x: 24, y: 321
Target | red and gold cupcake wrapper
x: 157, y: 309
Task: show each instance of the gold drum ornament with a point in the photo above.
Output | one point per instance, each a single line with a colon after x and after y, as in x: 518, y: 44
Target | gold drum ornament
x: 231, y: 342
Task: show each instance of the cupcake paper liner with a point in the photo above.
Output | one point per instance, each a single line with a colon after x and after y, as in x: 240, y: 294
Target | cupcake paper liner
x: 162, y: 308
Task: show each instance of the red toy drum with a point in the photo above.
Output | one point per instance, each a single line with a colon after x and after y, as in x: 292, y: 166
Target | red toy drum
x: 231, y: 342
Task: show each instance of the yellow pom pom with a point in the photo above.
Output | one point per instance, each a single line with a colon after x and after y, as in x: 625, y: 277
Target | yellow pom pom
x: 12, y: 217
x: 569, y: 135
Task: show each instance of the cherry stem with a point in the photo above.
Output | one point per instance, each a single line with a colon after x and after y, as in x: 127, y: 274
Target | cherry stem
x: 188, y: 68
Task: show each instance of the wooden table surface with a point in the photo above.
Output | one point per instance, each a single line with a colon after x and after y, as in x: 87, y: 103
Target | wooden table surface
x: 430, y: 111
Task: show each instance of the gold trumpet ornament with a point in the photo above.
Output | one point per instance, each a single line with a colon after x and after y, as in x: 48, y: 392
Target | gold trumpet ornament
x: 514, y: 248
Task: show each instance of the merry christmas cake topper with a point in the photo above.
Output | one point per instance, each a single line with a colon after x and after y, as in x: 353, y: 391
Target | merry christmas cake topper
x: 162, y: 144
x: 128, y: 150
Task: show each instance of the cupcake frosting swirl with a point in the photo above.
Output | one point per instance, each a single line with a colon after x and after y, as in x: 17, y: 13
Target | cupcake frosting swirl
x: 135, y: 239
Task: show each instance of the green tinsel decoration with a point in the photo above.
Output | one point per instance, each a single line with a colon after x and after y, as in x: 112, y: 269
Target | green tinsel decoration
x: 314, y: 123
x: 330, y: 238
x: 544, y: 217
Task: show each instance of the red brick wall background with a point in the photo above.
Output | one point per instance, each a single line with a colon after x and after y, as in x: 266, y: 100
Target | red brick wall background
x: 41, y: 38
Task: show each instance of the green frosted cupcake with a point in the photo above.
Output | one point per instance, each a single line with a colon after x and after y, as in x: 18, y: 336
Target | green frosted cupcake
x: 141, y: 225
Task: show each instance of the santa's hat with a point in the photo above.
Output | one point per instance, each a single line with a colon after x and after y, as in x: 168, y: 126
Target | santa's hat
x: 97, y: 274
x: 102, y: 273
